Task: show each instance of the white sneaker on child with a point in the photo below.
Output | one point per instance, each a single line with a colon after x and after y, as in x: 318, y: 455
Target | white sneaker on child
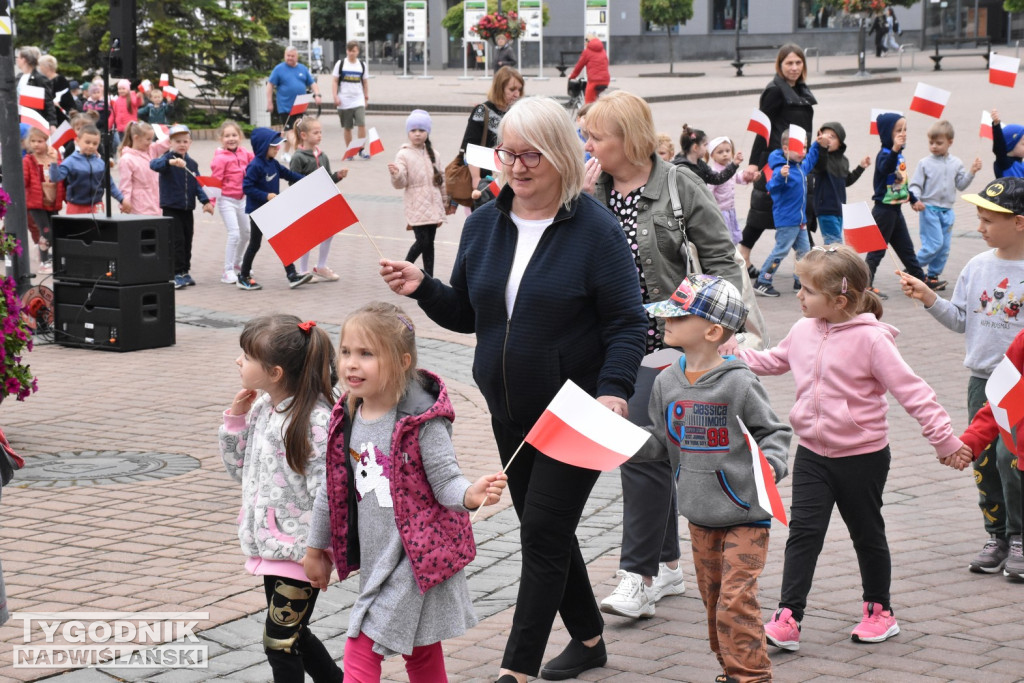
x: 229, y: 277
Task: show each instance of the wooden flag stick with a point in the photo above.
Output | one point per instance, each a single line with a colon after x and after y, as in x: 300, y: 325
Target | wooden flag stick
x: 507, y: 465
x: 371, y: 239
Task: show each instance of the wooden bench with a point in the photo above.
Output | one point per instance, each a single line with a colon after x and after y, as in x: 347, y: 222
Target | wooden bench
x: 564, y: 65
x: 738, y: 63
x: 953, y: 43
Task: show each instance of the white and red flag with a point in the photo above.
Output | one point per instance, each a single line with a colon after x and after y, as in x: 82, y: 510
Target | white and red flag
x: 860, y: 231
x: 768, y: 173
x: 986, y: 125
x: 161, y: 132
x: 376, y: 146
x: 494, y: 188
x: 170, y: 92
x: 34, y: 119
x: 300, y: 104
x: 1005, y: 393
x: 768, y: 498
x: 164, y: 80
x: 578, y: 430
x: 481, y: 157
x: 32, y: 96
x: 1002, y: 70
x: 354, y: 148
x: 145, y: 86
x: 875, y: 113
x: 929, y: 100
x: 211, y: 186
x: 312, y: 211
x: 797, y: 139
x: 62, y: 136
x: 760, y: 124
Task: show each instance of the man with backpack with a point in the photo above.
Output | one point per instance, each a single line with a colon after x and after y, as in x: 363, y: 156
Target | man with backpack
x: 351, y: 93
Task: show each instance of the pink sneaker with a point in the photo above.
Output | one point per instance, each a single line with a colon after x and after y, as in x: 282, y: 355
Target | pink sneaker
x: 783, y: 631
x: 878, y: 625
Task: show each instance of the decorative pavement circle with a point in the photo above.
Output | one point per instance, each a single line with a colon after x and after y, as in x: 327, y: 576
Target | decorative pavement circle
x: 99, y: 468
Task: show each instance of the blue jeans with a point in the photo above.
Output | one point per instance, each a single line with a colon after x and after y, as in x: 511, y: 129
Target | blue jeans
x: 831, y: 229
x: 936, y: 239
x: 786, y: 237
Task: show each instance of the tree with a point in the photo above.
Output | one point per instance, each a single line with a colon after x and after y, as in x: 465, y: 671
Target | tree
x: 1013, y: 5
x: 667, y: 13
x: 329, y: 19
x: 452, y: 21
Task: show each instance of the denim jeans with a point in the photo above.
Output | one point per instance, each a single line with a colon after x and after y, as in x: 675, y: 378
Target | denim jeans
x: 831, y: 228
x: 786, y: 237
x: 936, y: 239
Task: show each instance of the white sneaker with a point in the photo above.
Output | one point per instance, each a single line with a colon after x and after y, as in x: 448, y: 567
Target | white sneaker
x: 667, y: 582
x: 630, y: 599
x: 229, y: 277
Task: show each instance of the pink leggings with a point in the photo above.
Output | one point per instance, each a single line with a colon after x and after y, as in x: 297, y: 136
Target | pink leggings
x: 362, y: 664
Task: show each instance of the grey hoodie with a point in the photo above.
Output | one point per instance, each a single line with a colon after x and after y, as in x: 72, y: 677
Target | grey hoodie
x: 696, y: 426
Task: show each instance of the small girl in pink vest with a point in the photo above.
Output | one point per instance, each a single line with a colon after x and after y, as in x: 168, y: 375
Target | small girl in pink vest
x: 394, y: 504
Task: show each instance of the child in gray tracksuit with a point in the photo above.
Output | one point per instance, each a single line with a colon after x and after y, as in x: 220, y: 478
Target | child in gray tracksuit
x: 696, y: 406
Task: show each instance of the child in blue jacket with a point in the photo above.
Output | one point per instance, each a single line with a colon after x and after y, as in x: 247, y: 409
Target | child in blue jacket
x: 1008, y: 146
x: 262, y: 183
x: 82, y: 173
x: 788, y: 188
x: 179, y: 190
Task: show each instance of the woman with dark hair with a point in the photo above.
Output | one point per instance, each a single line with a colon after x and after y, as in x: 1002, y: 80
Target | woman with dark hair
x: 506, y: 88
x: 786, y: 100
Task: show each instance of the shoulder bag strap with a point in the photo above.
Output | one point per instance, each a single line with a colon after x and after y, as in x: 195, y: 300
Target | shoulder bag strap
x: 686, y: 250
x: 487, y: 124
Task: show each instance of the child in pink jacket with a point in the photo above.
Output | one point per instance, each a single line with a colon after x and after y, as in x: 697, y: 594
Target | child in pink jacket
x: 843, y: 361
x: 228, y: 166
x: 139, y: 183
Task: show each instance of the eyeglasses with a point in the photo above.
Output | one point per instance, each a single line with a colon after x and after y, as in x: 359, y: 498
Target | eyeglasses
x: 529, y: 159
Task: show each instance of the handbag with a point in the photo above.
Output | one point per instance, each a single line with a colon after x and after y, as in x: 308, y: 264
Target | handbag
x: 457, y: 178
x: 9, y: 460
x: 754, y: 334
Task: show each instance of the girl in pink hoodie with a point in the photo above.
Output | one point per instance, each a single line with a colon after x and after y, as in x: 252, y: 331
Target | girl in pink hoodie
x: 139, y: 183
x: 843, y: 361
x: 228, y: 166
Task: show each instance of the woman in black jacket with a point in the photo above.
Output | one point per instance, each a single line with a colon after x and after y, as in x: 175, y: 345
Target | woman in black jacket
x: 786, y: 100
x: 506, y: 88
x: 28, y: 64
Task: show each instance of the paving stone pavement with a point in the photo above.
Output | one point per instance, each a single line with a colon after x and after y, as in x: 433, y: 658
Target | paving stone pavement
x: 170, y: 545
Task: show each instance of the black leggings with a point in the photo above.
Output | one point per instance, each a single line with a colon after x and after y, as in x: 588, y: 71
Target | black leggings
x: 893, y: 227
x: 255, y: 241
x: 292, y: 649
x: 424, y: 244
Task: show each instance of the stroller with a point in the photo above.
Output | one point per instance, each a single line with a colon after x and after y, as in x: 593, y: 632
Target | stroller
x: 576, y: 87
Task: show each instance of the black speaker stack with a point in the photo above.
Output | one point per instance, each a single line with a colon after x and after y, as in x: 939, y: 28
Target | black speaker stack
x: 112, y: 282
x: 123, y: 63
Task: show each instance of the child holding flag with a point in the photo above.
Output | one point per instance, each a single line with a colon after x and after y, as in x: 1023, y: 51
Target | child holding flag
x: 843, y: 362
x: 83, y: 176
x: 699, y: 406
x: 308, y: 158
x: 832, y: 176
x: 984, y: 306
x: 140, y: 183
x: 1008, y: 146
x: 157, y: 110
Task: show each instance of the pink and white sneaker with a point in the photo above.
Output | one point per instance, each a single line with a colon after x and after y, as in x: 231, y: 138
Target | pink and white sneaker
x: 783, y: 631
x: 878, y: 625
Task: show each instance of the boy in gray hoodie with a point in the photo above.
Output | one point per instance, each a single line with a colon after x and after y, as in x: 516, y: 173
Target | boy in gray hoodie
x: 696, y: 406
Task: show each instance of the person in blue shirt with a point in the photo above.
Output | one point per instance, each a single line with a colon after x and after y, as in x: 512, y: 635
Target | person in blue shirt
x: 291, y: 80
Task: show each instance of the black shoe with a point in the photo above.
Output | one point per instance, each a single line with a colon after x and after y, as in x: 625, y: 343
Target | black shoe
x: 753, y: 272
x: 574, y: 660
x: 298, y: 279
x: 878, y: 293
x: 507, y: 678
x: 935, y: 284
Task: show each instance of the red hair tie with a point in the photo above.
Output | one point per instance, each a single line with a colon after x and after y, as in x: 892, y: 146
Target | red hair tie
x: 307, y: 326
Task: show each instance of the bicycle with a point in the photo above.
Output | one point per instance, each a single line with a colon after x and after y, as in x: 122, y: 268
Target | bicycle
x: 576, y: 87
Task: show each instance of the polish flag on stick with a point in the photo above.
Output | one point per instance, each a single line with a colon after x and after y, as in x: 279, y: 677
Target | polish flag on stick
x: 300, y: 104
x: 760, y: 124
x: 354, y: 149
x: 145, y: 86
x: 32, y: 96
x: 164, y: 80
x: 986, y: 125
x: 34, y: 119
x: 1002, y: 70
x: 768, y: 498
x: 170, y: 92
x: 860, y: 232
x: 482, y: 157
x: 494, y: 188
x: 797, y: 139
x: 768, y: 173
x: 212, y: 186
x: 929, y: 100
x: 376, y: 146
x: 1005, y: 393
x: 875, y: 113
x: 62, y: 136
x: 312, y: 211
x: 161, y: 131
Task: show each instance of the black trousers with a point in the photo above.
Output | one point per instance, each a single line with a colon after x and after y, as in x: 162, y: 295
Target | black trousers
x: 854, y: 484
x: 255, y: 241
x: 424, y: 244
x: 650, y: 520
x: 182, y: 231
x: 895, y: 233
x: 549, y: 497
x: 292, y: 649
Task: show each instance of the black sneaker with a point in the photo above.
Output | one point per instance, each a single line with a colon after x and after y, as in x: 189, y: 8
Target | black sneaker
x: 297, y: 279
x: 247, y: 283
x: 574, y: 660
x: 934, y: 283
x: 753, y: 272
x: 796, y: 284
x: 878, y: 293
x: 765, y: 289
x: 991, y: 558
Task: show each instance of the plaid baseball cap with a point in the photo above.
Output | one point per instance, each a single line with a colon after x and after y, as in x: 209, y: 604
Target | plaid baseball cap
x: 1004, y: 195
x: 708, y: 296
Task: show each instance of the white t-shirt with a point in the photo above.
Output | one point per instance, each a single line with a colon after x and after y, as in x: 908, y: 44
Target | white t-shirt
x: 530, y: 232
x: 350, y: 77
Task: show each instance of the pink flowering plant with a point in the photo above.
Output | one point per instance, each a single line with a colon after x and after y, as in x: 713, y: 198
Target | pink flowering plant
x: 17, y: 379
x: 493, y: 25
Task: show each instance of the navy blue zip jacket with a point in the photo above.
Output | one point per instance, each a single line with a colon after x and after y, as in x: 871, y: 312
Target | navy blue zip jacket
x: 891, y: 181
x: 578, y: 313
x: 178, y: 188
x: 263, y: 175
x: 833, y: 175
